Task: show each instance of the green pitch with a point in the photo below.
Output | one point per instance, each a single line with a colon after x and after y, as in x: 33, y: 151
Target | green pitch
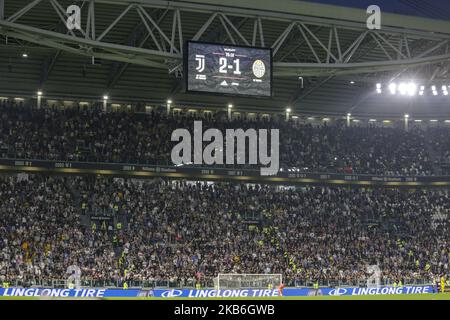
x: 431, y: 296
x: 439, y: 296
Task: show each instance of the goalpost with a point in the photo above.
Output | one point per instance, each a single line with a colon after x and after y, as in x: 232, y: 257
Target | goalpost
x: 247, y: 281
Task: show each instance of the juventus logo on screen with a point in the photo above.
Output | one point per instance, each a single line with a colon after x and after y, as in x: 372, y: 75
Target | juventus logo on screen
x: 201, y: 62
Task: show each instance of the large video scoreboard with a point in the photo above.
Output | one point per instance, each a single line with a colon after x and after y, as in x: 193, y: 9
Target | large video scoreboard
x: 228, y: 69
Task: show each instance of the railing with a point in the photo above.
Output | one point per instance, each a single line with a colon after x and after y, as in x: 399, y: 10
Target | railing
x: 13, y: 154
x: 216, y: 173
x: 356, y: 283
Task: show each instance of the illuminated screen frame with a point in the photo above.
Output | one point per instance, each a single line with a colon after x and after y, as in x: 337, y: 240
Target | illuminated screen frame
x: 186, y: 71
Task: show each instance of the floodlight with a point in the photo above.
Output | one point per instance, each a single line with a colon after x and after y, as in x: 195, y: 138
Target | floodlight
x: 412, y: 89
x: 403, y: 88
x: 393, y: 88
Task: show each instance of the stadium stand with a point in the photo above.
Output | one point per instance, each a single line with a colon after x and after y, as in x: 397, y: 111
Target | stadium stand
x: 88, y: 134
x: 351, y: 199
x: 180, y: 233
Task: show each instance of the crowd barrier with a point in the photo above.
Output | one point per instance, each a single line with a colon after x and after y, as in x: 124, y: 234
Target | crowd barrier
x: 216, y: 173
x: 211, y: 293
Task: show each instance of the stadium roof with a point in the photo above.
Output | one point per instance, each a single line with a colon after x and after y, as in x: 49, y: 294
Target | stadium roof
x: 434, y: 9
x: 137, y: 46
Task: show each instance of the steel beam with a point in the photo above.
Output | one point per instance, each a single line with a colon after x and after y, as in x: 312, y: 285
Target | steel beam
x: 2, y: 9
x: 400, y: 54
x: 338, y: 43
x: 319, y: 42
x: 24, y: 10
x: 124, y: 12
x: 302, y: 69
x: 230, y: 36
x: 119, y: 67
x: 50, y: 61
x: 92, y: 12
x: 62, y: 15
x: 280, y: 40
x: 255, y: 32
x: 297, y: 46
x: 333, y: 63
x: 48, y: 66
x: 319, y: 14
x: 297, y: 97
x: 427, y: 52
x: 408, y: 52
x: 235, y: 29
x: 174, y: 26
x: 311, y: 90
x: 348, y: 54
x: 330, y: 39
x: 299, y: 12
x: 205, y: 26
x: 381, y: 46
x: 144, y: 56
x: 309, y: 44
x: 18, y: 30
x: 180, y: 30
x: 150, y: 30
x: 261, y: 34
x: 162, y: 34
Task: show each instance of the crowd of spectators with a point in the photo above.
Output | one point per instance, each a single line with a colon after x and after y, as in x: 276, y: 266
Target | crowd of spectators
x: 187, y: 232
x: 40, y: 234
x: 441, y: 145
x: 88, y: 134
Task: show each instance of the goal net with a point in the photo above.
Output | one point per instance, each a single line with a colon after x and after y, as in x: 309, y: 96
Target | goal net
x: 247, y: 281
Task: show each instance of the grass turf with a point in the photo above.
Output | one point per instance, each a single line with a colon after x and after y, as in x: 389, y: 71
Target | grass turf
x: 439, y: 296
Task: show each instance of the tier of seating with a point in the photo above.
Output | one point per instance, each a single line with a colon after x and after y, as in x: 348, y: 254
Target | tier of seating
x: 88, y: 134
x: 183, y: 232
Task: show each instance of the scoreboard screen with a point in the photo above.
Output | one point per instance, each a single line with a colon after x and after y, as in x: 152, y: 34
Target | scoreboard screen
x: 228, y: 69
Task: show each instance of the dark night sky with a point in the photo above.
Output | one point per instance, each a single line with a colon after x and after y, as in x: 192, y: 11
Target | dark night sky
x: 435, y: 9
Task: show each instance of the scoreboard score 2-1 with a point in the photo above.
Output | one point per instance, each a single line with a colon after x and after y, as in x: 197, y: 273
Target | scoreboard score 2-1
x: 228, y: 69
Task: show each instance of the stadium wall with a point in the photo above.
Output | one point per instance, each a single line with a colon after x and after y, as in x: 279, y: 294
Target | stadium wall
x: 213, y: 174
x: 212, y: 293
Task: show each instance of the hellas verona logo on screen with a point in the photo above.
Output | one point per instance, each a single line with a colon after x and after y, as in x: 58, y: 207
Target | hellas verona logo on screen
x: 259, y: 68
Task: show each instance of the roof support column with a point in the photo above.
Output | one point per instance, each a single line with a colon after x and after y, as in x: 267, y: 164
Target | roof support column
x: 2, y: 9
